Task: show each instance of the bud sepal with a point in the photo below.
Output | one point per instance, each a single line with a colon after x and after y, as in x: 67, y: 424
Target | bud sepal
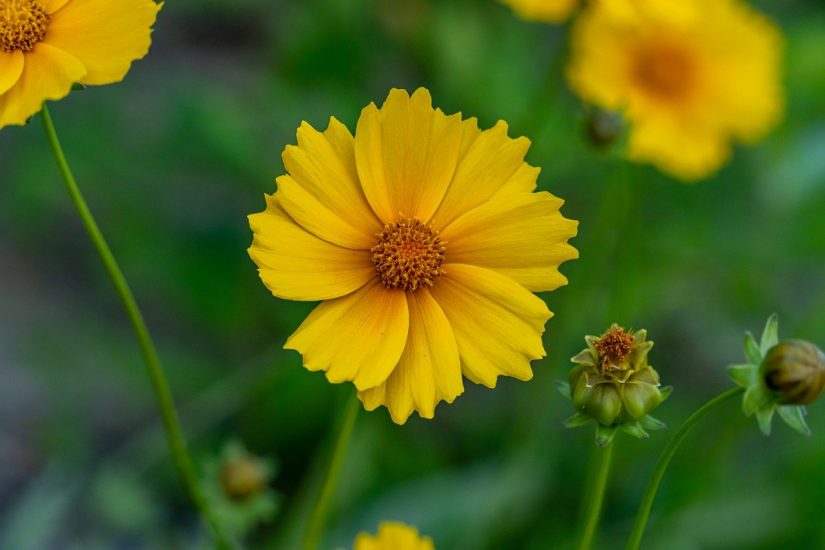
x: 779, y: 377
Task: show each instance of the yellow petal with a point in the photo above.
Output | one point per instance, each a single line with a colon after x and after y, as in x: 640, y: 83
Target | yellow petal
x: 548, y: 11
x: 688, y: 151
x: 523, y: 181
x: 393, y: 536
x: 105, y: 36
x: 323, y: 164
x: 48, y: 73
x: 11, y: 67
x: 369, y: 153
x: 52, y: 6
x: 317, y: 216
x: 522, y: 236
x: 491, y: 160
x: 406, y: 154
x: 743, y: 46
x: 356, y: 338
x: 296, y: 265
x: 429, y: 370
x: 497, y: 322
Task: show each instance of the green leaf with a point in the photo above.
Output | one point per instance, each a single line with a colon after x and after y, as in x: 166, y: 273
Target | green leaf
x: 650, y: 423
x: 577, y: 420
x: 635, y: 429
x: 666, y: 391
x: 794, y: 416
x: 770, y: 336
x: 752, y: 353
x: 764, y: 416
x: 744, y: 375
x: 604, y: 434
x: 756, y: 397
x: 564, y: 388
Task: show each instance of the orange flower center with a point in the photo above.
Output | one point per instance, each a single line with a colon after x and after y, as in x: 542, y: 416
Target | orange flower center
x: 663, y: 70
x: 614, y: 346
x: 408, y: 255
x: 23, y: 24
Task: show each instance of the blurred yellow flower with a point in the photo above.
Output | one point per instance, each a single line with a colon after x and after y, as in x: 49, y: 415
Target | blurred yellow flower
x: 48, y: 45
x: 690, y: 75
x: 549, y: 11
x: 424, y: 237
x: 393, y: 536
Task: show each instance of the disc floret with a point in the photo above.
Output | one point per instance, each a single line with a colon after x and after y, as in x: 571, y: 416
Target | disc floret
x: 408, y: 255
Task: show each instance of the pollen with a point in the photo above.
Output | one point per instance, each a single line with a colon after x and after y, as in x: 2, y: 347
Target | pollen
x: 408, y: 255
x: 23, y: 24
x: 614, y: 346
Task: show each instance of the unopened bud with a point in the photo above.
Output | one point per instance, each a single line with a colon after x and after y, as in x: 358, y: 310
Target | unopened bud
x: 614, y: 385
x: 603, y: 128
x: 243, y: 477
x: 795, y: 371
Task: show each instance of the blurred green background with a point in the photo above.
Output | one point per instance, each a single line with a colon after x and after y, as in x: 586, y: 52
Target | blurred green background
x: 174, y: 159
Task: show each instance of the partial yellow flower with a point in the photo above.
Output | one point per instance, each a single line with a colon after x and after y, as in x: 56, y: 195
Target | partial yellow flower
x: 393, y: 536
x: 48, y: 45
x: 548, y: 11
x: 691, y: 76
x: 424, y: 238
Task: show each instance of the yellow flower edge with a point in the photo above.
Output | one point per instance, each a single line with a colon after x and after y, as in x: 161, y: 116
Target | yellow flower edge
x: 423, y: 239
x: 46, y: 46
x: 393, y: 536
x: 546, y: 11
x: 692, y: 77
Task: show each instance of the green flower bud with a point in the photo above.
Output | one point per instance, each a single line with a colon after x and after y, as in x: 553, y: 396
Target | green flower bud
x: 603, y: 128
x: 613, y: 384
x: 779, y: 377
x: 795, y: 370
x: 243, y: 476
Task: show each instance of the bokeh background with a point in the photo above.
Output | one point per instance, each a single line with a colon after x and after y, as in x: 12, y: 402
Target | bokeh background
x: 174, y: 159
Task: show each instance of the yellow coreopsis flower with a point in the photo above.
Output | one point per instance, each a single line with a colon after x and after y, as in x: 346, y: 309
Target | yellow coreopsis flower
x: 548, y: 11
x: 424, y: 237
x: 691, y: 76
x: 46, y: 46
x: 393, y: 536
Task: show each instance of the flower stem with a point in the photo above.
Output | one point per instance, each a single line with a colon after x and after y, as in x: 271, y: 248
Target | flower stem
x: 664, y: 460
x: 597, y: 497
x: 318, y: 515
x: 177, y: 444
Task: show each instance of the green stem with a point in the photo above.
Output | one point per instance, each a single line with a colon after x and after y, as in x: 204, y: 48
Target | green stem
x: 638, y: 532
x: 177, y: 444
x: 318, y: 515
x: 597, y: 498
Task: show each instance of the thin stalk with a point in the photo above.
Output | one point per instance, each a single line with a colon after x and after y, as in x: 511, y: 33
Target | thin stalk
x: 653, y: 485
x: 318, y: 515
x: 171, y: 424
x: 597, y: 498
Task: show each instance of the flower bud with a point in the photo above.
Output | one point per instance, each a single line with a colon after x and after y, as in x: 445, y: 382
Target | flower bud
x: 603, y: 128
x: 243, y: 476
x: 795, y: 370
x: 779, y: 377
x: 613, y: 384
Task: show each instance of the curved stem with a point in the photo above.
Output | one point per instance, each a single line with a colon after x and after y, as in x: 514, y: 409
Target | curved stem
x: 653, y: 485
x: 597, y: 498
x: 318, y: 515
x: 174, y: 434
